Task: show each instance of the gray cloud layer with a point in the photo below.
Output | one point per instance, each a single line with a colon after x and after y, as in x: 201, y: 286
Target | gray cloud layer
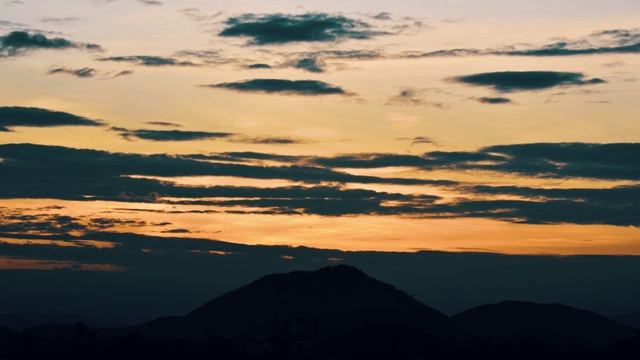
x: 89, y: 175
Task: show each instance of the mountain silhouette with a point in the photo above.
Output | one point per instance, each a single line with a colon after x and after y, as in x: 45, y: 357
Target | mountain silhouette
x: 632, y: 319
x: 546, y: 322
x: 326, y: 302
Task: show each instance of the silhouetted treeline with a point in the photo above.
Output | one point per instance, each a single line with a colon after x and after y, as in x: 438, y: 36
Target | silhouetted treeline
x: 374, y: 341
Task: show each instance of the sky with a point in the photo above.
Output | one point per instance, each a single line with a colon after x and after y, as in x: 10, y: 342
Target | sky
x: 505, y: 127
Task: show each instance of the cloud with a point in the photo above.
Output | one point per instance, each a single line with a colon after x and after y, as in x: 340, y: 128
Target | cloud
x: 17, y: 221
x: 209, y: 57
x: 169, y: 135
x: 317, y: 61
x: 259, y: 66
x: 18, y: 42
x: 382, y: 16
x: 198, y: 15
x: 269, y: 140
x: 122, y: 73
x: 280, y: 86
x: 150, y: 2
x: 81, y: 73
x: 509, y: 81
x: 616, y: 41
x: 310, y: 64
x: 146, y: 60
x: 494, y: 100
x: 423, y: 140
x: 163, y: 123
x: 35, y: 117
x: 57, y: 20
x: 285, y: 28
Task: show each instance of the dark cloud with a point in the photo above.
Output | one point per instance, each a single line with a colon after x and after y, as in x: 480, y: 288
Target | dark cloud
x: 269, y: 140
x: 259, y: 66
x: 105, y: 172
x: 16, y: 221
x: 150, y: 2
x: 17, y: 42
x: 600, y: 161
x: 169, y: 135
x: 284, y: 28
x: 81, y: 73
x: 494, y: 100
x: 280, y: 86
x: 163, y: 123
x: 176, y: 231
x: 146, y: 60
x: 310, y: 64
x: 509, y: 81
x: 35, y: 117
x: 34, y: 171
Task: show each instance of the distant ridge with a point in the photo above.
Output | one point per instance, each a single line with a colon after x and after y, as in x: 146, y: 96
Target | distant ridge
x: 546, y: 322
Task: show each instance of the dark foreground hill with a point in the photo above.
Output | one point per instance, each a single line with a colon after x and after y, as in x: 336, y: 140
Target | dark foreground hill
x: 545, y: 322
x: 322, y: 303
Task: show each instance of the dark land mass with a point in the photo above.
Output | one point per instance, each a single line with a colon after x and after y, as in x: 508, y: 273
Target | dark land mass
x: 336, y: 312
x: 632, y: 319
x: 544, y: 322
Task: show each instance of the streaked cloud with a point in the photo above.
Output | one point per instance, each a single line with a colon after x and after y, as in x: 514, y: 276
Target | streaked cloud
x: 281, y: 86
x: 169, y: 135
x: 509, y: 81
x: 81, y: 73
x: 148, y: 60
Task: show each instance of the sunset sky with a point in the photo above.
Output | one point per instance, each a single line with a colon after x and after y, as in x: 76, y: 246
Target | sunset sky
x: 505, y: 126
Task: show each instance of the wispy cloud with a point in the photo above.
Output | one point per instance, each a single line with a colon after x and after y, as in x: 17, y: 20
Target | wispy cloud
x: 81, y: 73
x: 616, y: 41
x: 148, y: 60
